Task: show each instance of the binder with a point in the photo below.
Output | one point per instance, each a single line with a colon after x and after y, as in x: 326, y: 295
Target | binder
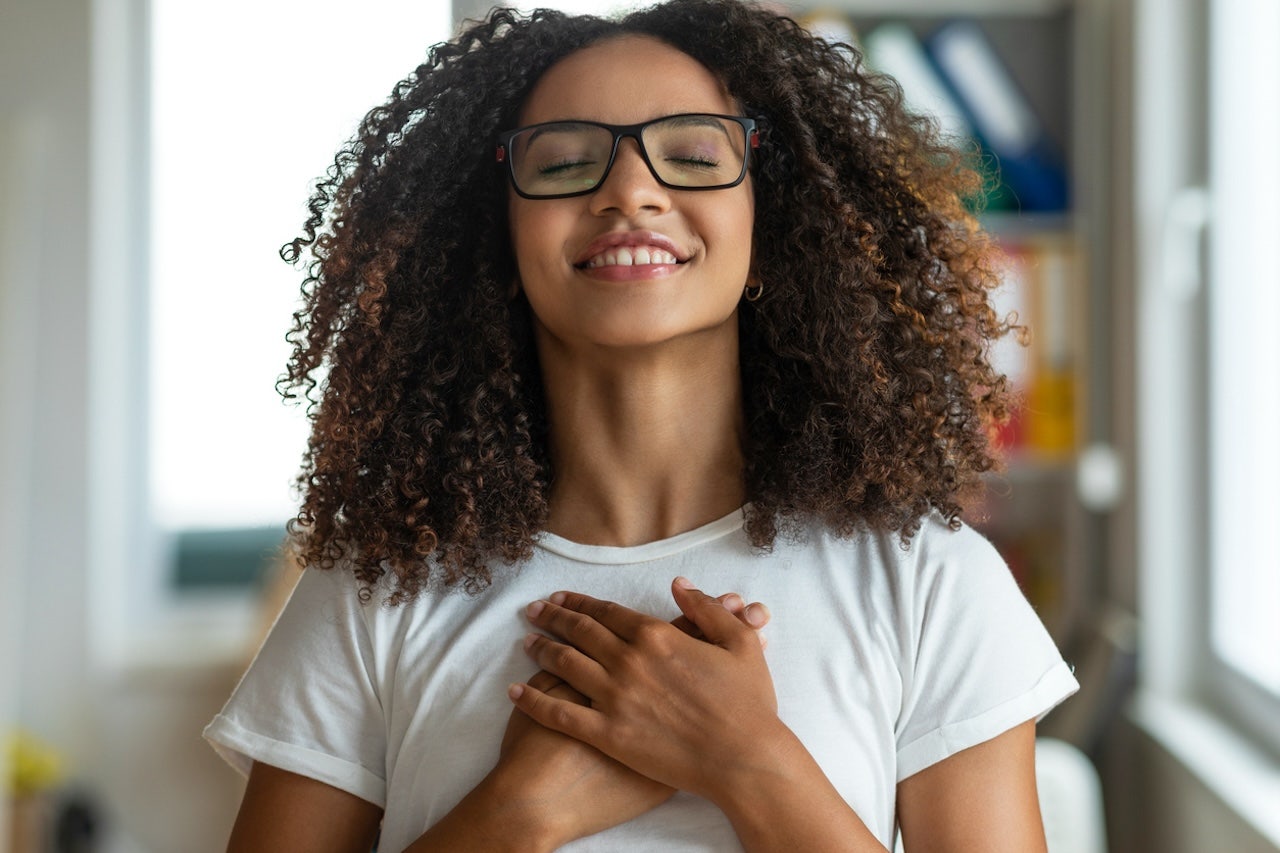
x: 893, y: 49
x: 1002, y: 117
x: 831, y: 27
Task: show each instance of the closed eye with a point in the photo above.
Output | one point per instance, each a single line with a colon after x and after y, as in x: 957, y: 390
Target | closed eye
x: 696, y: 160
x: 565, y: 165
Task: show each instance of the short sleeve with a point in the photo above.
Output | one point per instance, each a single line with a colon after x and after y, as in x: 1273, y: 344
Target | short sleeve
x: 978, y: 661
x: 309, y: 701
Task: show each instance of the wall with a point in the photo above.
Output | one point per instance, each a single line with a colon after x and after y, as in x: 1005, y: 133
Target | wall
x: 134, y: 735
x: 1160, y: 807
x: 44, y: 118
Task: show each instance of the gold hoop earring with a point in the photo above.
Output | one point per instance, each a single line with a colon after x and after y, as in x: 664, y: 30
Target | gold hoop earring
x: 753, y: 291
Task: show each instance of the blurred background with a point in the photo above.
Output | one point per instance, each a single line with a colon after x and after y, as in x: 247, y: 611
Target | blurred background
x: 155, y: 154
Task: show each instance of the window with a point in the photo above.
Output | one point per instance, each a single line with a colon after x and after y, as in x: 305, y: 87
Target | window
x: 248, y: 104
x: 1243, y: 354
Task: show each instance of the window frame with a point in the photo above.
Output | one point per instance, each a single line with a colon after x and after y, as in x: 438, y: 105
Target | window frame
x: 1237, y: 49
x: 1185, y: 689
x: 142, y: 619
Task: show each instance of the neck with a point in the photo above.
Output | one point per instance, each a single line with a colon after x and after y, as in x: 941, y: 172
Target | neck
x: 645, y: 443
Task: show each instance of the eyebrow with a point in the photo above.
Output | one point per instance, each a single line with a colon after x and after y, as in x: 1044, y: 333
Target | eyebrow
x: 701, y: 120
x: 678, y: 120
x: 555, y: 127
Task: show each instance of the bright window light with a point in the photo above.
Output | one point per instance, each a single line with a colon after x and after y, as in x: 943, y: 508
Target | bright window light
x: 249, y: 103
x: 606, y: 8
x: 1244, y: 382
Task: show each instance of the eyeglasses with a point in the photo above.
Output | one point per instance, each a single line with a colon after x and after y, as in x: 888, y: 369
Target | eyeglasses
x: 691, y: 151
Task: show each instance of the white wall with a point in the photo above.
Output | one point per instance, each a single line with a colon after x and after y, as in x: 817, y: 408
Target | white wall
x: 135, y: 738
x: 44, y: 109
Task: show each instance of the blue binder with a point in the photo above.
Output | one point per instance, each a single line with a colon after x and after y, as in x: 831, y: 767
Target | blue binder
x: 1004, y: 121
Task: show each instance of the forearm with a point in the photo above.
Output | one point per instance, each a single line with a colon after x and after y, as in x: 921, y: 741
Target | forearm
x: 488, y: 820
x: 783, y: 801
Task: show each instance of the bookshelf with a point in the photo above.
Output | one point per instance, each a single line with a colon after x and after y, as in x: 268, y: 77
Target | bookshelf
x: 1054, y: 53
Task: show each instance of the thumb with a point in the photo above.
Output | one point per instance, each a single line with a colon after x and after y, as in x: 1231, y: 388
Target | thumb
x: 717, y: 624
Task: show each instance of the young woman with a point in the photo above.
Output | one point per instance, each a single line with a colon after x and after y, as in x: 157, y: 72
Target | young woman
x: 602, y: 314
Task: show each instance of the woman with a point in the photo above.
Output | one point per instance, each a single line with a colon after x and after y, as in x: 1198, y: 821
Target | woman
x: 597, y: 305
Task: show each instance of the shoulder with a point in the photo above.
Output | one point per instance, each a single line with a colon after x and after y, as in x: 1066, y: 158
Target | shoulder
x: 958, y: 556
x: 333, y: 606
x: 936, y: 553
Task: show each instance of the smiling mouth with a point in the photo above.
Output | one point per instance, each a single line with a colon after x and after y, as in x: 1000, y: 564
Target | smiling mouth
x: 630, y: 256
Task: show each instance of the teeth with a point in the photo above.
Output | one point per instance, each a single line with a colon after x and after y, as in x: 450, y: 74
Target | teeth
x: 624, y: 256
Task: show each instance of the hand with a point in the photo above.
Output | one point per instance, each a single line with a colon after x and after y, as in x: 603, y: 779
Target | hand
x: 553, y: 771
x: 684, y: 712
x: 573, y: 788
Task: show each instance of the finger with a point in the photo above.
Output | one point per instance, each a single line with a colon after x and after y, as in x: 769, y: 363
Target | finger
x: 567, y: 663
x: 545, y: 681
x: 554, y: 685
x: 731, y: 601
x: 756, y: 615
x: 718, y: 625
x: 580, y: 630
x: 576, y: 721
x: 621, y: 621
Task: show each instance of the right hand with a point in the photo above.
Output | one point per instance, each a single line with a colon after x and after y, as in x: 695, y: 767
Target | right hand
x: 574, y: 788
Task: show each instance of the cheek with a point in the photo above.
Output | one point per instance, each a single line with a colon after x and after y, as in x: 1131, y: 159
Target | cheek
x: 739, y: 234
x: 537, y: 236
x: 520, y: 220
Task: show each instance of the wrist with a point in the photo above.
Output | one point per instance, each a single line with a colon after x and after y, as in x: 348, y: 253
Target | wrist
x: 514, y: 820
x: 781, y: 799
x: 767, y: 758
x: 494, y: 817
x: 773, y: 771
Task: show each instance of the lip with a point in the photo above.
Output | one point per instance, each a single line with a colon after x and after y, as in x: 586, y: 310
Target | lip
x: 614, y: 239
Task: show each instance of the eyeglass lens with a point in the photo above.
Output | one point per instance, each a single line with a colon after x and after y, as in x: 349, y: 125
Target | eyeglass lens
x: 683, y: 151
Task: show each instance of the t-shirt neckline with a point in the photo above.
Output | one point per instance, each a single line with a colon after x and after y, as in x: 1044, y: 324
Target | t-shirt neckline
x: 656, y: 550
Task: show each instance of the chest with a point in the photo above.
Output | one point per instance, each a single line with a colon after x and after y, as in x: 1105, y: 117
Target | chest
x: 444, y: 700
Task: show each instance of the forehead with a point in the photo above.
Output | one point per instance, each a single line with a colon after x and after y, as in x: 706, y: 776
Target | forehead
x: 625, y: 80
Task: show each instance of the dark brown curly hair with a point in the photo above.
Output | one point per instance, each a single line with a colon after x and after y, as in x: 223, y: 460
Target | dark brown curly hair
x: 868, y: 389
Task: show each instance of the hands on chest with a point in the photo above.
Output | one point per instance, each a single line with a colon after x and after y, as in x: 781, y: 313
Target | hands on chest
x: 616, y: 720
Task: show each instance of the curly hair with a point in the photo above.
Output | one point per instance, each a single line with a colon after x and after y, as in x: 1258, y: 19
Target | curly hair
x: 867, y: 383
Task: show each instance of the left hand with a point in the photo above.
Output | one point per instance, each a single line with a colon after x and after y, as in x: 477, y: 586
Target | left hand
x: 573, y: 788
x: 685, y: 712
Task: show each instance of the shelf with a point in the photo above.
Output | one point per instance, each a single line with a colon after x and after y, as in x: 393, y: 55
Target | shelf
x: 1008, y: 226
x: 947, y: 8
x: 1031, y: 467
x: 1034, y: 511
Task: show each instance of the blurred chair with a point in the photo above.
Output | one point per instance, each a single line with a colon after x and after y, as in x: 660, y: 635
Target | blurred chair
x: 1070, y: 798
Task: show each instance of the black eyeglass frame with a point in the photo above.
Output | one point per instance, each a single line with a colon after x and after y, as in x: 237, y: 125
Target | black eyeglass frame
x: 750, y: 126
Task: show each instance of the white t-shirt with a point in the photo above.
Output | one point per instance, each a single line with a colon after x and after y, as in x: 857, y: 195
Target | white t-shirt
x: 885, y: 660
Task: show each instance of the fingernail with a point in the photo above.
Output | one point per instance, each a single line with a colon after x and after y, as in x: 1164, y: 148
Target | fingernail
x: 529, y: 640
x: 515, y: 691
x: 684, y: 583
x: 557, y: 598
x: 733, y: 602
x: 534, y: 609
x: 757, y: 615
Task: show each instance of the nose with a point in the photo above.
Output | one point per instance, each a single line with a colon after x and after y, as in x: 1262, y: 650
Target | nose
x: 630, y: 186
